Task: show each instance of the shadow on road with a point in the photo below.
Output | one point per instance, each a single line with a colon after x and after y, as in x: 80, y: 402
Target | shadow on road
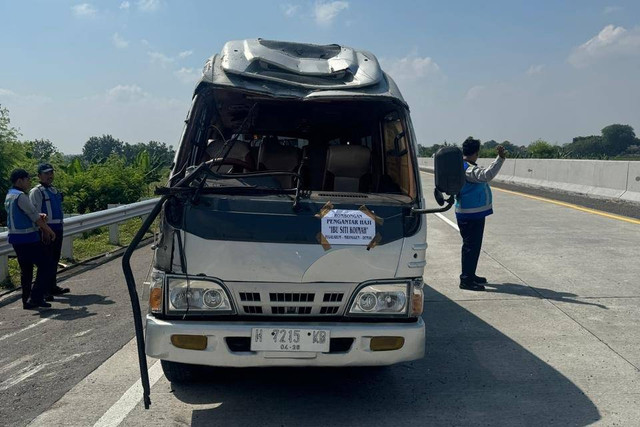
x: 472, y: 374
x: 525, y: 291
x: 65, y: 313
x: 83, y: 300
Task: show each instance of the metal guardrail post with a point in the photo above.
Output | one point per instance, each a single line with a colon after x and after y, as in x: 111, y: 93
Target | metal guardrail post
x: 4, y: 267
x: 67, y: 247
x: 114, y: 229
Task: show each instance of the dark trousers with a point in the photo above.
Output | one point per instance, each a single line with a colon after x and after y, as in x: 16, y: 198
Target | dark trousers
x: 471, y: 231
x: 30, y: 254
x: 53, y: 250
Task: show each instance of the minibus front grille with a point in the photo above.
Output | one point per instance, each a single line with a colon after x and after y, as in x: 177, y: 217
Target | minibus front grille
x: 291, y: 300
x: 249, y: 296
x: 290, y: 310
x: 291, y: 297
x: 252, y: 309
x: 333, y: 297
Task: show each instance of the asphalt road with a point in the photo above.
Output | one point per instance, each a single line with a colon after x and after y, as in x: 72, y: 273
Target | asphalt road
x: 43, y: 354
x: 553, y: 341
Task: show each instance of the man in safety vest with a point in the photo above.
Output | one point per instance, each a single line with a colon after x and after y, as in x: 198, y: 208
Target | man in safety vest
x: 473, y: 205
x: 48, y: 200
x: 25, y: 224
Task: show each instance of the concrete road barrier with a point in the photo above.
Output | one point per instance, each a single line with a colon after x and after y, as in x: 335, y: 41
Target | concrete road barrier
x: 632, y: 194
x: 604, y: 179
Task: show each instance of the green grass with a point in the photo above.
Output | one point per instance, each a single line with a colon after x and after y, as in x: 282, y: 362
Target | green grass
x: 85, y: 246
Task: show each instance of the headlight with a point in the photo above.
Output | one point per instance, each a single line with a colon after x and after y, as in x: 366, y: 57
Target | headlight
x: 383, y: 298
x: 198, y: 296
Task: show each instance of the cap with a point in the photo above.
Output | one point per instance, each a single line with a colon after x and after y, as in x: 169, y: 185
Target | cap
x: 17, y: 174
x: 45, y: 167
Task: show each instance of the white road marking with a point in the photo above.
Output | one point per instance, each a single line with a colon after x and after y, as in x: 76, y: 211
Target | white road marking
x: 32, y: 369
x: 23, y: 374
x: 119, y: 411
x: 448, y: 221
x: 33, y: 325
x: 80, y: 334
x: 11, y: 365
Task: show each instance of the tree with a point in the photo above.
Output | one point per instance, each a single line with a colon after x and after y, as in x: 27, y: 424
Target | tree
x: 584, y: 146
x: 91, y: 189
x: 540, y: 149
x: 98, y: 148
x: 42, y: 150
x: 616, y: 138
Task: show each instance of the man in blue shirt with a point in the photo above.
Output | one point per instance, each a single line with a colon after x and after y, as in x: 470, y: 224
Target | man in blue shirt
x: 25, y: 225
x: 48, y: 200
x: 473, y: 205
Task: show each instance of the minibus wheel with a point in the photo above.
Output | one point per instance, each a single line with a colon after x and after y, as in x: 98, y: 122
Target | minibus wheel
x: 177, y: 372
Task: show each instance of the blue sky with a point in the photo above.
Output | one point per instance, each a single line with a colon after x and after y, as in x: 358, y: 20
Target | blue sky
x: 516, y: 70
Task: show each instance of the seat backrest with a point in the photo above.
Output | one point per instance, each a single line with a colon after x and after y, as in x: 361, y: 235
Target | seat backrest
x: 239, y: 151
x: 275, y: 157
x: 348, y: 169
x: 315, y: 161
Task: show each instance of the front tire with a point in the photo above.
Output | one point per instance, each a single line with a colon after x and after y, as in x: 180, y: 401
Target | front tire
x: 177, y: 372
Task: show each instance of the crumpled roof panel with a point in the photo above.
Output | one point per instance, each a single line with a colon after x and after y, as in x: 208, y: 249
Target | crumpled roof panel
x: 298, y: 70
x: 298, y: 64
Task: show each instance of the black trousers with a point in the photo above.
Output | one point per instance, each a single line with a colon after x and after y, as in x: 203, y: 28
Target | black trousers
x: 30, y: 254
x: 53, y: 250
x: 471, y: 231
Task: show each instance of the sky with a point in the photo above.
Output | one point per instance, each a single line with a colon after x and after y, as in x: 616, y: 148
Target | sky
x: 503, y: 70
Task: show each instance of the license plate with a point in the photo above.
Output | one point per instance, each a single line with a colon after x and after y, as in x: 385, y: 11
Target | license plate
x: 284, y: 339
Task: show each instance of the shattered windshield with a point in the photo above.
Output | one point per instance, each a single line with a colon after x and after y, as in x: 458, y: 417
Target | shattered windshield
x: 316, y: 147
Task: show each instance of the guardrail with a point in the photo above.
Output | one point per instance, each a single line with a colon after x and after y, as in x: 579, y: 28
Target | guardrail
x: 81, y: 223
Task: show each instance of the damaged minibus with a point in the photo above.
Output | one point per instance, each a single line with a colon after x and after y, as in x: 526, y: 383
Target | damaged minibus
x: 292, y: 230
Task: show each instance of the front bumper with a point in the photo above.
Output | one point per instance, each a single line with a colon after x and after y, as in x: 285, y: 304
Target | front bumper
x: 218, y: 352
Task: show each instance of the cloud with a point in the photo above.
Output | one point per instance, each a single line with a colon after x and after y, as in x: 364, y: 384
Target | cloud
x: 119, y: 41
x: 12, y: 98
x: 185, y: 53
x: 125, y: 5
x: 290, y: 10
x: 611, y: 9
x: 148, y: 5
x: 412, y: 67
x: 535, y: 69
x: 84, y: 10
x: 611, y: 42
x: 188, y: 75
x: 326, y: 12
x: 474, y: 93
x: 125, y: 93
x: 160, y: 58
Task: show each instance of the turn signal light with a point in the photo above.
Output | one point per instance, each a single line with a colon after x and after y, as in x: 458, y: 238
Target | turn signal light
x: 189, y: 342
x: 386, y: 343
x: 155, y: 300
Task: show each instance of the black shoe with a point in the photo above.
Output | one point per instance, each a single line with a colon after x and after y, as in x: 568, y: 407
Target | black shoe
x: 28, y: 306
x: 59, y: 291
x: 42, y: 304
x: 471, y: 286
x: 479, y: 279
x: 49, y: 298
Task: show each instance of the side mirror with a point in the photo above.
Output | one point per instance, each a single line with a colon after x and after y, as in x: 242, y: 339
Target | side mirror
x: 449, y: 178
x: 448, y: 170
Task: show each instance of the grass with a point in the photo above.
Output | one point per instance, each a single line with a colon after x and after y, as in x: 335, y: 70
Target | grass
x: 85, y: 246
